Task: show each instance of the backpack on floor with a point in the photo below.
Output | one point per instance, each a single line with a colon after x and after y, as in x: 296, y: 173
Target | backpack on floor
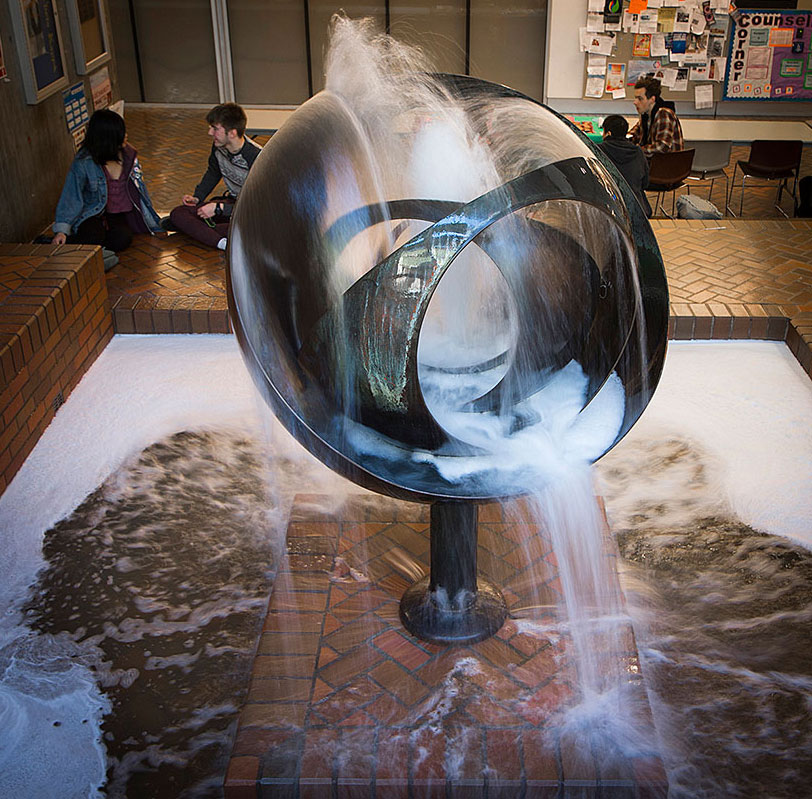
x: 689, y: 206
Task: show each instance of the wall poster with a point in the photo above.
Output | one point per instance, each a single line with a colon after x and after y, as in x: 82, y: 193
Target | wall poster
x: 38, y: 40
x: 770, y: 56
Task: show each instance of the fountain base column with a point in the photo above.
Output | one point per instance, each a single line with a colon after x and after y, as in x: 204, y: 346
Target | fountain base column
x: 451, y: 605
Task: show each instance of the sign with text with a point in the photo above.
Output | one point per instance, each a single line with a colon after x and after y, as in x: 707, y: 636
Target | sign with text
x: 770, y: 56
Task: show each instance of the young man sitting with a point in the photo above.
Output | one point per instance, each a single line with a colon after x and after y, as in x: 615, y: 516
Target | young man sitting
x: 627, y: 157
x: 658, y: 130
x: 232, y: 154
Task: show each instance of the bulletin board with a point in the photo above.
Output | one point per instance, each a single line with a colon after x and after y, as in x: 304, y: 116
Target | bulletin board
x: 683, y: 43
x: 770, y: 56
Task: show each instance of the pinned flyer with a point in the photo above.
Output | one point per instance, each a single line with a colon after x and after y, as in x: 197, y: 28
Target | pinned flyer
x: 698, y: 21
x: 716, y: 69
x: 594, y: 86
x: 703, y: 96
x: 647, y: 21
x: 658, y: 47
x: 616, y: 78
x: 600, y: 44
x: 669, y: 77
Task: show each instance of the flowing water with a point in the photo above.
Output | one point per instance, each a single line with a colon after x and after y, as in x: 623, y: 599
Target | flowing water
x: 159, y: 580
x: 140, y: 620
x: 723, y: 619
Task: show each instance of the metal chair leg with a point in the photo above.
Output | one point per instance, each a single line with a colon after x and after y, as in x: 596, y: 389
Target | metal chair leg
x: 741, y: 199
x: 730, y: 189
x: 781, y: 186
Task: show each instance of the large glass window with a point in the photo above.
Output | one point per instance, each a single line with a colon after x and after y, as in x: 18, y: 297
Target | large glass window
x: 176, y: 47
x: 268, y: 51
x: 507, y: 43
x: 278, y: 46
x: 439, y: 29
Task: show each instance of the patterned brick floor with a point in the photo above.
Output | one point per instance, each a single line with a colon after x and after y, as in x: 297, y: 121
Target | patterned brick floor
x: 732, y: 278
x: 16, y: 269
x: 334, y: 666
x: 343, y: 698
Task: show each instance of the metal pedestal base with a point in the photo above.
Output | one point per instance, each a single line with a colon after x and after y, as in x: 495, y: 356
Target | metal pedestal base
x: 423, y: 616
x: 451, y: 606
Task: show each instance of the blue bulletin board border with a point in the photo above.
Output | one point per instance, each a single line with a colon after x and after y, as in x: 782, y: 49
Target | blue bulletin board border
x: 771, y: 13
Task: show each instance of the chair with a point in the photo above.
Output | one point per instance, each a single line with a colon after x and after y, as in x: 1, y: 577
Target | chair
x: 667, y: 172
x: 711, y: 158
x: 770, y: 160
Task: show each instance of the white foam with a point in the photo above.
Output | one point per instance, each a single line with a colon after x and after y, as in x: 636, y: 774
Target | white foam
x: 141, y: 389
x: 749, y: 404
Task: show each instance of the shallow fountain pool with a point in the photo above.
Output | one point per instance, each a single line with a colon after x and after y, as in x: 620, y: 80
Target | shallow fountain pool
x: 121, y: 621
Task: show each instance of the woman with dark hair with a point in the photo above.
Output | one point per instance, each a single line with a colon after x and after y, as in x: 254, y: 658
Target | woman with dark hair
x: 104, y: 200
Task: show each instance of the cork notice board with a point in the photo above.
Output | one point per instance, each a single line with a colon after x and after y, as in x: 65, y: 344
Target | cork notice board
x: 684, y: 43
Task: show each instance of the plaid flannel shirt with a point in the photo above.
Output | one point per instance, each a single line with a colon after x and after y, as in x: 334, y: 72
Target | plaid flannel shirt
x: 664, y: 135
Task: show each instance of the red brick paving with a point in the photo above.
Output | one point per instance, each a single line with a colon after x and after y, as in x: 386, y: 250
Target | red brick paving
x: 344, y: 699
x: 53, y: 325
x: 731, y: 278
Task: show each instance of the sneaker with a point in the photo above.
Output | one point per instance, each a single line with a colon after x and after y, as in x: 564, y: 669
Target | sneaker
x: 167, y: 225
x: 110, y: 259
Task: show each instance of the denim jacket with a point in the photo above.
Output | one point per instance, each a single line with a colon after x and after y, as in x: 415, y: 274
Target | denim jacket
x: 85, y: 194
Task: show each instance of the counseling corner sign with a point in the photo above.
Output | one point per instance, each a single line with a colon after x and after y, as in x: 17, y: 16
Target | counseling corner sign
x: 770, y: 56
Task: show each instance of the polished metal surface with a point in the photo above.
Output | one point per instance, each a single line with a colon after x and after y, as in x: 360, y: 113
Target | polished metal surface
x: 339, y: 363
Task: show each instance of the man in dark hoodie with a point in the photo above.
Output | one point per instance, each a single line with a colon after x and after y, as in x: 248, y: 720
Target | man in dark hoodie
x: 658, y: 130
x: 627, y: 157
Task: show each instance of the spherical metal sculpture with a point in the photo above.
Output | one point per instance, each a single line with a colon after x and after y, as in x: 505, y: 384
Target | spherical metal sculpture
x: 337, y: 357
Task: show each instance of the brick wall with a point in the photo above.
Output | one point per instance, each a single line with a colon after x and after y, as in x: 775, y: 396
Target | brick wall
x: 54, y: 322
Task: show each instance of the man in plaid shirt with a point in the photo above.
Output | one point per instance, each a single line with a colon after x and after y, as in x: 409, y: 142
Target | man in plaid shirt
x: 658, y: 130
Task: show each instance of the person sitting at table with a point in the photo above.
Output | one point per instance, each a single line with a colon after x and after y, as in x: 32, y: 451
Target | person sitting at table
x: 627, y: 156
x: 658, y: 129
x: 104, y: 199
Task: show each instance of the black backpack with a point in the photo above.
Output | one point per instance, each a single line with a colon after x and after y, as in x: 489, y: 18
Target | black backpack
x: 804, y: 205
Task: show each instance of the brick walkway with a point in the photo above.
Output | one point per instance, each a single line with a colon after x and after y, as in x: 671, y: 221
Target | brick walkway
x: 732, y: 278
x: 343, y: 699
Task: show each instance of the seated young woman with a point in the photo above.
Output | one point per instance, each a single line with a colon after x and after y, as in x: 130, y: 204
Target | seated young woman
x: 104, y: 199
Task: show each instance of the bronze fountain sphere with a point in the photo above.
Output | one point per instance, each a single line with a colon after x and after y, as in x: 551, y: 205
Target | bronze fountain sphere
x: 338, y: 364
